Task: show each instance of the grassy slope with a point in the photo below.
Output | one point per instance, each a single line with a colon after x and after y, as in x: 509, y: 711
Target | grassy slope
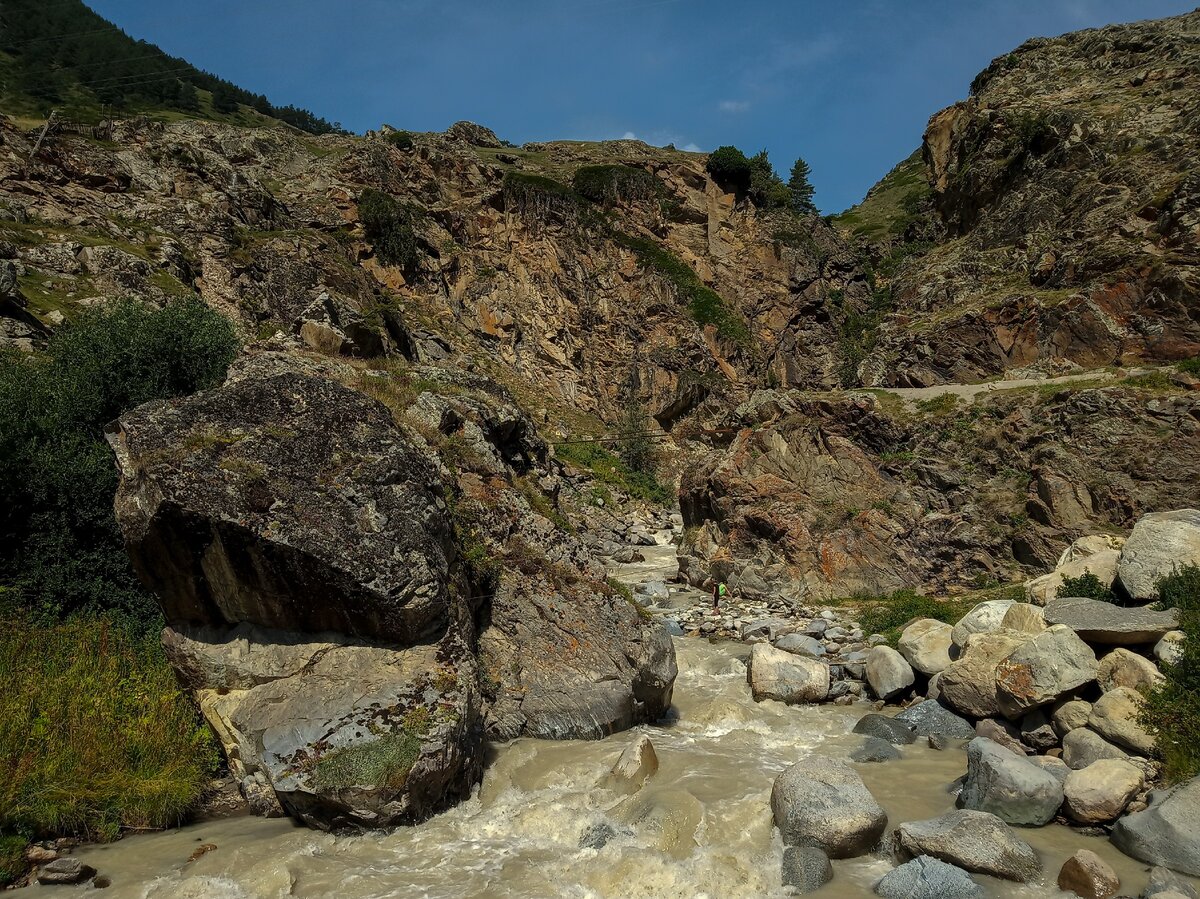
x: 885, y: 211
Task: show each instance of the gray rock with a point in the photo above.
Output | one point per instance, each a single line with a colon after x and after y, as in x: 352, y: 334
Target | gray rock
x: 636, y: 764
x: 1070, y: 715
x: 1099, y: 793
x: 597, y: 835
x: 1082, y: 747
x: 806, y: 868
x: 930, y: 717
x: 1164, y: 880
x: 887, y: 672
x: 983, y: 619
x: 1169, y: 650
x: 1159, y: 543
x: 1051, y: 765
x: 893, y: 730
x: 823, y: 803
x: 1037, y: 731
x: 1105, y: 623
x: 801, y: 645
x: 873, y: 749
x: 64, y: 871
x: 925, y: 645
x: 1122, y: 668
x: 1005, y: 784
x: 968, y: 685
x: 775, y: 674
x: 766, y: 628
x: 925, y: 877
x: 1115, y: 717
x: 1043, y: 669
x: 1168, y: 832
x: 975, y: 841
x: 816, y: 627
x: 1003, y: 733
x: 1024, y: 617
x: 627, y: 555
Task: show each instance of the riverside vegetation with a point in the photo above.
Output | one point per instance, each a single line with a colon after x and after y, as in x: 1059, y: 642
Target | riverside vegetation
x: 449, y: 385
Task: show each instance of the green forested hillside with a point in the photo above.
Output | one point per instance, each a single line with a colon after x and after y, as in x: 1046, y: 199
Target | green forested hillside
x: 60, y: 54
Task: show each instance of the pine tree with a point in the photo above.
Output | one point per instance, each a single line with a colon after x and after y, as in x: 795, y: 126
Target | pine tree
x: 801, y: 188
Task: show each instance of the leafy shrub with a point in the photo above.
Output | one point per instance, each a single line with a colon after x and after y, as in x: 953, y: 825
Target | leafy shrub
x: 389, y: 227
x: 12, y: 858
x: 858, y: 331
x: 707, y: 307
x: 611, y: 184
x: 636, y: 449
x: 1190, y: 366
x: 608, y: 468
x: 767, y: 189
x: 729, y: 167
x: 402, y: 140
x: 887, y: 614
x: 1086, y: 585
x: 539, y: 198
x: 1172, y: 710
x: 60, y: 547
x: 95, y: 734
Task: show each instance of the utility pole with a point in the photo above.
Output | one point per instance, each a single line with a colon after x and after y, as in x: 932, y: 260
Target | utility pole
x: 45, y: 130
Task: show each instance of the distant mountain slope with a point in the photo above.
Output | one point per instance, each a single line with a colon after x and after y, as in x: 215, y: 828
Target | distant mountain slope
x: 58, y: 53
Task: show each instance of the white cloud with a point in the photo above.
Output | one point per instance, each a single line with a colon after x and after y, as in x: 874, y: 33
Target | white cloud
x: 629, y: 135
x: 733, y: 105
x: 691, y: 148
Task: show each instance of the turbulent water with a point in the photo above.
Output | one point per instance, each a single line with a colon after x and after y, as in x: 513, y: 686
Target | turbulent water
x: 701, y: 827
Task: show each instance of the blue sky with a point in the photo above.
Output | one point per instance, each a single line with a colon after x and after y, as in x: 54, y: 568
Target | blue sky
x: 847, y: 84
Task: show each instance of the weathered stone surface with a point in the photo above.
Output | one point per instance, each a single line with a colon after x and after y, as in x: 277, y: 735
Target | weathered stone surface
x: 887, y: 672
x: 1051, y: 765
x: 1025, y: 618
x: 1036, y: 730
x: 806, y: 868
x: 1005, y: 784
x: 823, y: 803
x: 925, y: 877
x: 1102, y: 563
x: 64, y: 871
x: 925, y: 645
x: 775, y: 674
x: 1160, y: 543
x: 968, y: 685
x: 983, y: 619
x: 1069, y: 715
x: 875, y: 749
x: 1169, y: 649
x: 1099, y: 793
x: 1003, y: 733
x: 1044, y: 668
x: 1083, y: 746
x: 1123, y: 668
x: 975, y: 841
x: 1164, y: 880
x: 637, y: 763
x: 230, y: 515
x: 801, y: 645
x: 1088, y: 875
x: 894, y: 730
x: 1105, y: 623
x: 1115, y: 717
x: 931, y: 717
x: 1168, y: 832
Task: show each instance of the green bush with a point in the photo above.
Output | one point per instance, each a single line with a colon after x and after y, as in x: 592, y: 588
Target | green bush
x: 767, y: 189
x: 95, y: 734
x: 1172, y: 710
x: 538, y: 197
x: 637, y: 450
x: 608, y: 468
x: 1086, y: 585
x: 389, y: 226
x: 729, y: 167
x: 12, y: 858
x: 611, y: 184
x: 1189, y: 366
x: 61, y: 551
x: 706, y: 306
x: 400, y: 139
x: 887, y: 614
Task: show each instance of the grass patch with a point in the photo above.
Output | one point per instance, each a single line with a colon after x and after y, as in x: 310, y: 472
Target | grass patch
x: 626, y: 594
x: 95, y: 734
x: 608, y: 469
x: 887, y: 614
x: 1086, y: 585
x: 381, y: 763
x: 943, y: 404
x: 614, y: 183
x: 1189, y: 366
x: 707, y: 307
x: 891, y: 205
x: 1172, y: 709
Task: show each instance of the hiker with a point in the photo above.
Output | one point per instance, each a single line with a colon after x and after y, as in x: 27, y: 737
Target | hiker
x: 719, y: 593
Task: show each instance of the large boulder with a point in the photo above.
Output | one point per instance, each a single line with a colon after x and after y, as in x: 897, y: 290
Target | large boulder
x: 894, y: 730
x: 975, y: 841
x: 982, y: 619
x: 1069, y: 715
x: 1159, y: 543
x: 1047, y: 666
x: 1168, y: 832
x: 1008, y: 786
x: 1102, y: 563
x: 823, y: 802
x: 1083, y: 746
x: 887, y: 672
x: 1115, y: 717
x: 1122, y: 668
x: 801, y: 645
x: 243, y: 503
x: 805, y: 868
x: 1105, y: 623
x: 931, y: 718
x: 1088, y: 875
x: 1024, y: 617
x: 1099, y: 793
x: 925, y: 644
x: 925, y: 877
x: 968, y: 685
x: 776, y: 674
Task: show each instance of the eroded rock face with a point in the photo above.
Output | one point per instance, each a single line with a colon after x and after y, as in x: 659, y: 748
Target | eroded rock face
x: 1168, y: 832
x: 1160, y: 543
x: 1043, y: 669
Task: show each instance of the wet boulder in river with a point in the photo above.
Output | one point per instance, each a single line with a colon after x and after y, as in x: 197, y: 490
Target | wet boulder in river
x: 926, y: 877
x: 1168, y: 832
x: 887, y: 672
x: 975, y: 841
x: 1004, y: 783
x: 823, y: 802
x: 775, y: 674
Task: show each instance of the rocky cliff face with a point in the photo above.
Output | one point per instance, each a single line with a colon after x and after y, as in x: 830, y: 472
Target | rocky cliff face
x: 1062, y: 208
